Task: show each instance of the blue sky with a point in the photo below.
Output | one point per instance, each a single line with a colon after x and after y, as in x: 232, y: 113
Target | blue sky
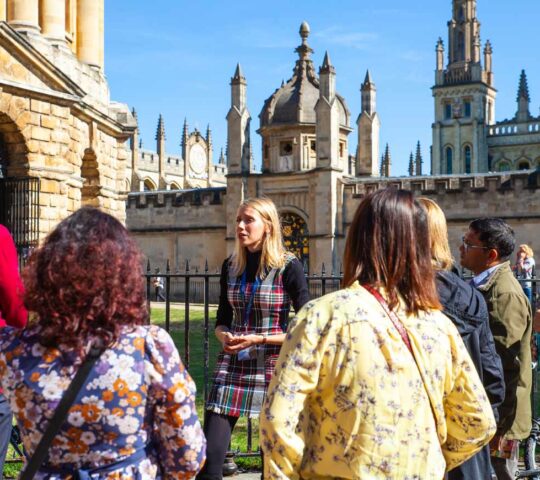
x: 177, y: 57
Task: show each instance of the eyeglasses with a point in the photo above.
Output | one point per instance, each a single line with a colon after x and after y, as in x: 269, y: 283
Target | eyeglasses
x: 466, y: 245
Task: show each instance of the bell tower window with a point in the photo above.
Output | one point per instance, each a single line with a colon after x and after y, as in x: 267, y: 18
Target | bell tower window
x: 467, y: 110
x: 447, y: 111
x: 467, y: 152
x: 449, y: 159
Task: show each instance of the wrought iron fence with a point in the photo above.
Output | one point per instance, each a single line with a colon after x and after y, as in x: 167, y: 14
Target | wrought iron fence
x: 200, y: 289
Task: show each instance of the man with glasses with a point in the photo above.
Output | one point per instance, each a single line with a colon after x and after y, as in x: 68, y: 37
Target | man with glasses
x: 485, y: 250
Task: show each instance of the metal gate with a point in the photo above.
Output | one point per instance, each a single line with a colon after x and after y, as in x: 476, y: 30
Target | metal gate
x: 19, y: 212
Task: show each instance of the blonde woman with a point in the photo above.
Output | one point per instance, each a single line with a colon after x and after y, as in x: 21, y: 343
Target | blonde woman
x: 466, y: 307
x: 258, y: 284
x: 524, y: 268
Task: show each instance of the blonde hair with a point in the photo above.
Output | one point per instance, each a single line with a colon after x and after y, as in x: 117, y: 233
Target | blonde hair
x: 273, y: 251
x: 438, y: 235
x: 528, y: 250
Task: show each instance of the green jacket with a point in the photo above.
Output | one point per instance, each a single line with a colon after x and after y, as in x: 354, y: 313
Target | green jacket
x: 510, y: 319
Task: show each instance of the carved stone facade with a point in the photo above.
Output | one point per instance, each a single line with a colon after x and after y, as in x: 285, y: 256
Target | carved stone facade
x: 466, y: 137
x: 57, y: 122
x: 151, y: 170
x: 308, y: 172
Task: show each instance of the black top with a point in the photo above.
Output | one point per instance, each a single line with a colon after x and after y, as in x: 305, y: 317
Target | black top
x: 294, y: 283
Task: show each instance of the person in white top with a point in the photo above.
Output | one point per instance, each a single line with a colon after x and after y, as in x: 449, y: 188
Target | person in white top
x: 524, y: 268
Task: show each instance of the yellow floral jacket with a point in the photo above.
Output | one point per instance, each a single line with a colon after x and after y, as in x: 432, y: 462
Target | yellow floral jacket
x: 348, y: 401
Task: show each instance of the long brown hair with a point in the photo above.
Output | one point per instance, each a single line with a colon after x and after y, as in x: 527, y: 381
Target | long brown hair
x: 388, y: 246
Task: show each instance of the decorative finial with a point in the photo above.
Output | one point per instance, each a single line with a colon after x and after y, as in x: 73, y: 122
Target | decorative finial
x: 304, y: 31
x: 208, y: 135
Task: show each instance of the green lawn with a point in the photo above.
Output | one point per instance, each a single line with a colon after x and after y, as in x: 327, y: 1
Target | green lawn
x: 196, y: 370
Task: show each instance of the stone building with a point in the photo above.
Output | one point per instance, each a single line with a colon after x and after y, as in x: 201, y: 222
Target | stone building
x: 466, y: 137
x: 62, y: 140
x: 158, y: 170
x: 308, y: 172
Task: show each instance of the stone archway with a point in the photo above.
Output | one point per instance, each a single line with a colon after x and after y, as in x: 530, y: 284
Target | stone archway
x: 296, y: 236
x: 19, y: 194
x: 90, y: 174
x: 13, y: 149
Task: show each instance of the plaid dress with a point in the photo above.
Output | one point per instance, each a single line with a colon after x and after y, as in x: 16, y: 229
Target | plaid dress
x: 240, y: 385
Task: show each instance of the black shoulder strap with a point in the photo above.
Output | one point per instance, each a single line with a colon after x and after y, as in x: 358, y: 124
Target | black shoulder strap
x: 56, y: 422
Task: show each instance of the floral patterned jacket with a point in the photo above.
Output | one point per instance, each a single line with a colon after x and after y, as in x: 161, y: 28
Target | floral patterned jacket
x: 137, y: 394
x: 348, y: 401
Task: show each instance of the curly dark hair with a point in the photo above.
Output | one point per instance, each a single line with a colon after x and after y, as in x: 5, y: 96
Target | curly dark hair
x: 85, y: 282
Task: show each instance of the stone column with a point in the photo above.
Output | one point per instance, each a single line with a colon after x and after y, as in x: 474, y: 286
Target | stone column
x: 89, y: 43
x: 3, y: 12
x: 53, y: 19
x: 23, y: 15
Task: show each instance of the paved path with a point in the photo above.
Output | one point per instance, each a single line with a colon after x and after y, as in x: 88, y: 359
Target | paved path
x: 246, y: 476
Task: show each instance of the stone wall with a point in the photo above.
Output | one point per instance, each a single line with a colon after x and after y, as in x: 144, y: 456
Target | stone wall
x: 514, y: 197
x: 57, y: 123
x: 180, y: 226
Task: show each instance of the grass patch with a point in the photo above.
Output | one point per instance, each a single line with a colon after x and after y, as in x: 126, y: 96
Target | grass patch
x: 196, y: 337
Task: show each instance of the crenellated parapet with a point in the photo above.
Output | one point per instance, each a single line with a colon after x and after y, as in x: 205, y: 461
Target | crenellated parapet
x: 509, y: 195
x: 176, y: 198
x: 446, y: 183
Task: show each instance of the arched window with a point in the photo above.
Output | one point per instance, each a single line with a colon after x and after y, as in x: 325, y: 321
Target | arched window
x: 503, y: 166
x: 296, y: 236
x: 149, y: 185
x: 460, y: 47
x: 174, y: 186
x: 524, y: 165
x: 467, y: 153
x: 449, y: 154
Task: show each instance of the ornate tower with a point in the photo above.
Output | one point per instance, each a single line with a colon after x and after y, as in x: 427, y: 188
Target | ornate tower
x: 369, y: 125
x: 464, y: 96
x: 238, y: 122
x: 327, y: 118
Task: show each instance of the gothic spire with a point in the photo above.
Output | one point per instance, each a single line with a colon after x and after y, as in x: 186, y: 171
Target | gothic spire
x: 222, y: 157
x: 327, y: 64
x: 418, y: 159
x: 523, y: 99
x: 367, y: 80
x: 160, y: 132
x: 208, y: 135
x: 387, y: 161
x: 185, y: 133
x: 523, y: 90
x: 411, y: 165
x: 238, y: 73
